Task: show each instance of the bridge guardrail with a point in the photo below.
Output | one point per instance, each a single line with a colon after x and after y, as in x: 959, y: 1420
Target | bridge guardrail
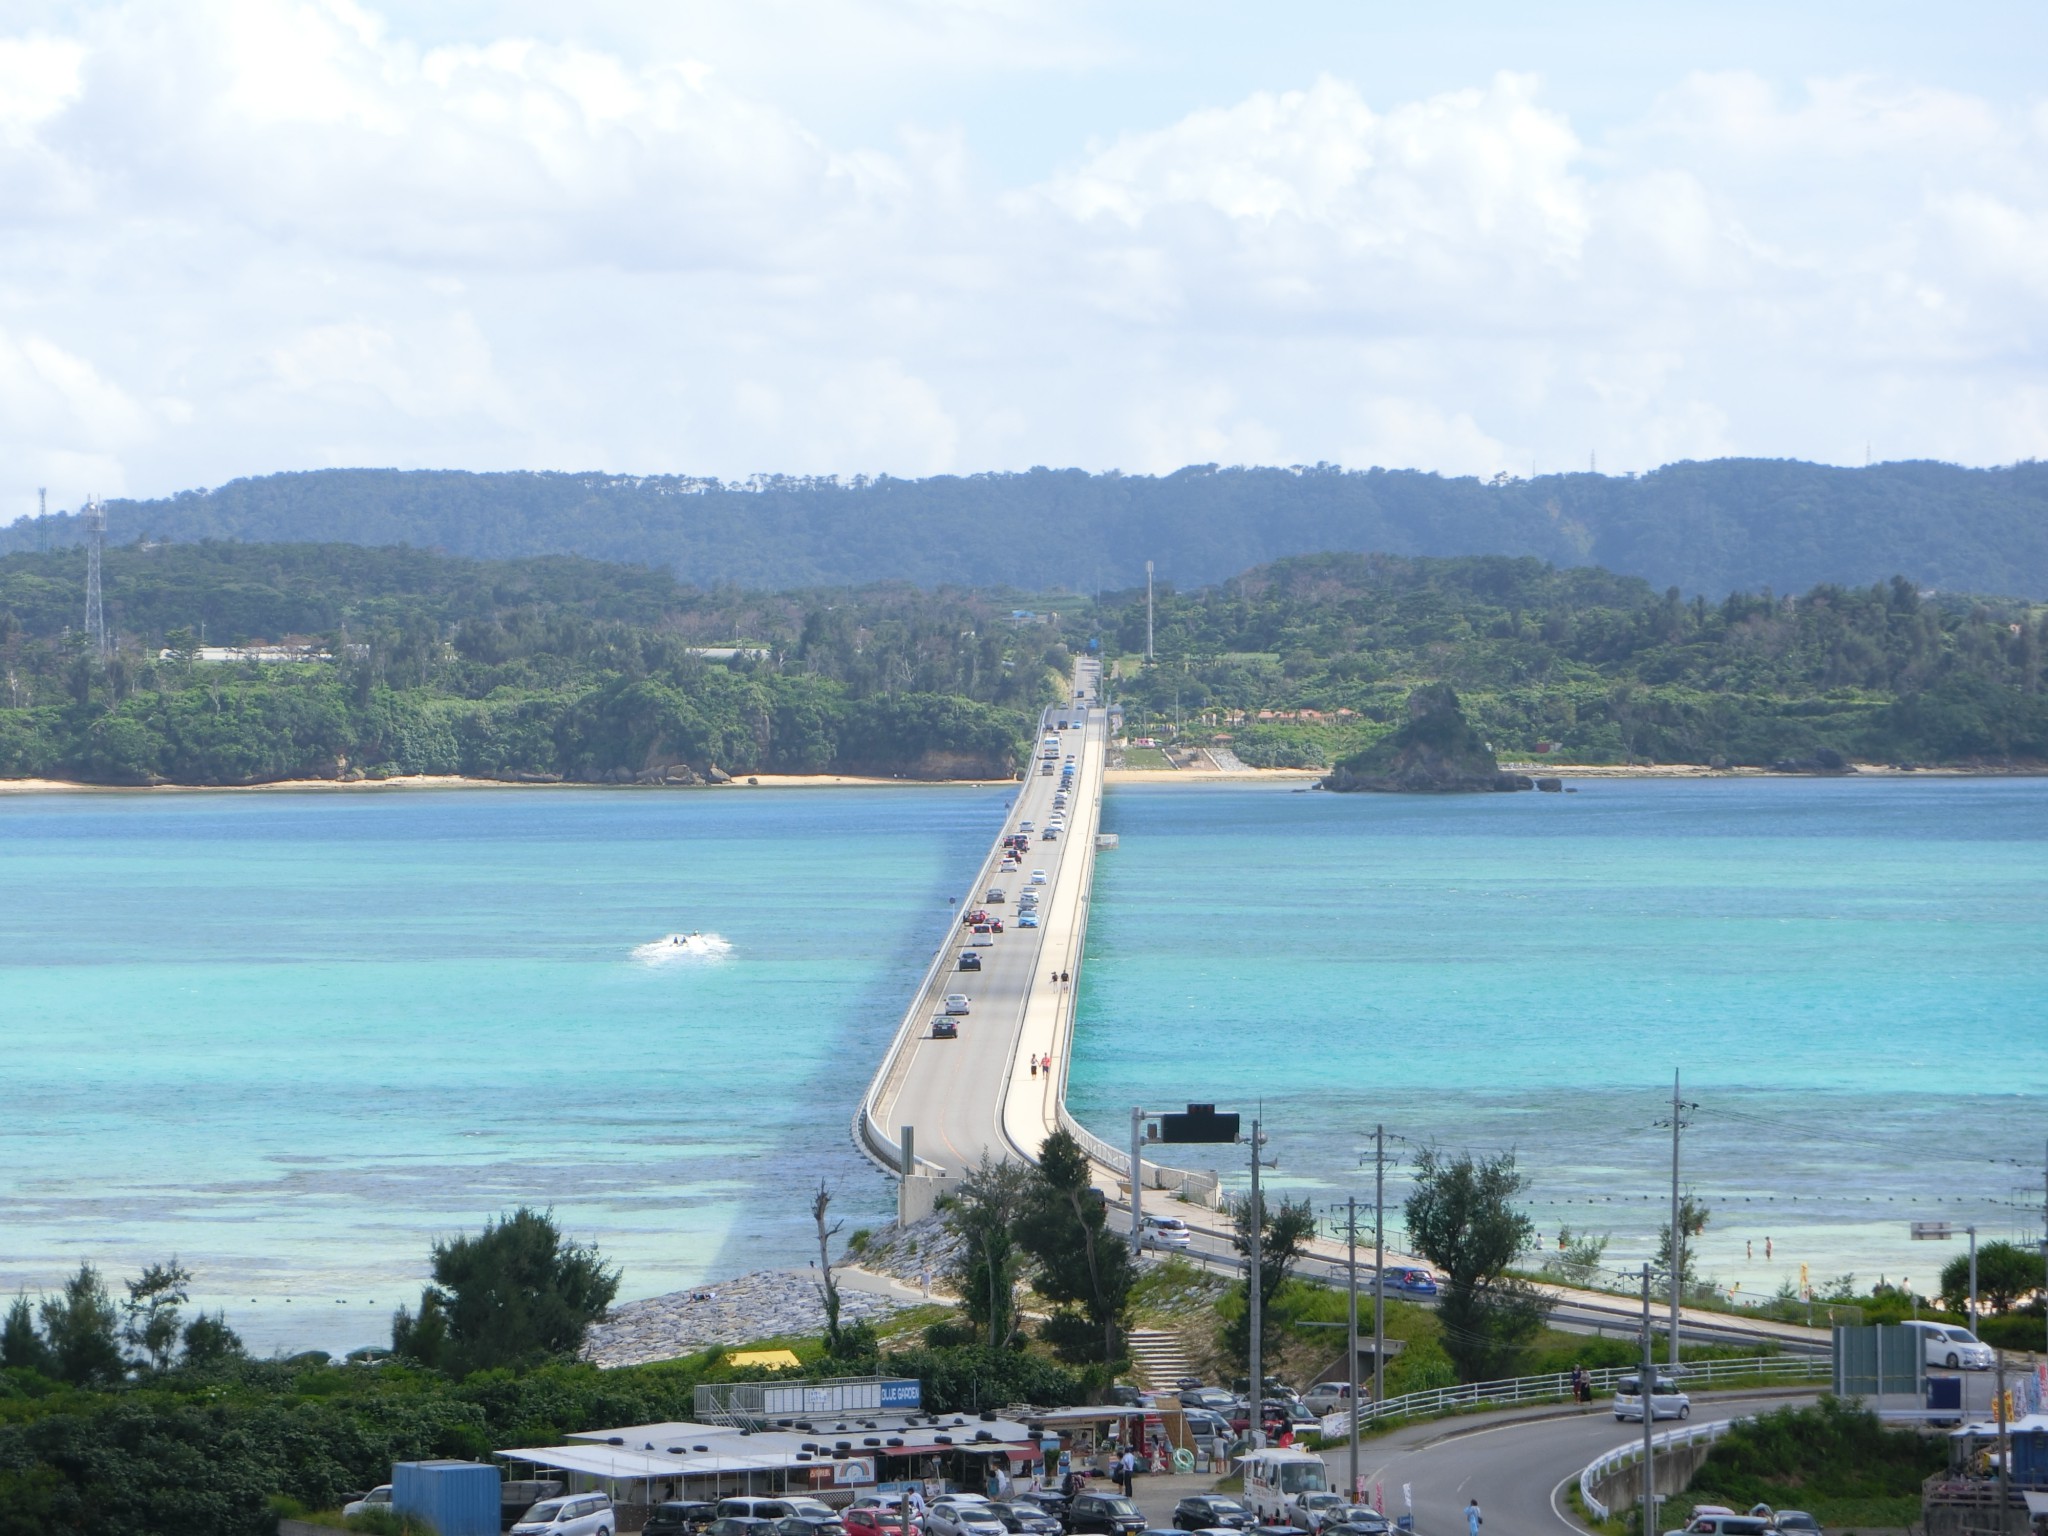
x: 1556, y: 1386
x: 1625, y: 1455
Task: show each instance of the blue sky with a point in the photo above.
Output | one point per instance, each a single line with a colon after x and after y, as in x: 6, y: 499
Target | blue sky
x: 918, y: 236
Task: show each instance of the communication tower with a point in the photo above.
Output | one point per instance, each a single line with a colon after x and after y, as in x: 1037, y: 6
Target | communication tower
x: 95, y: 540
x: 1148, y: 610
x: 42, y: 520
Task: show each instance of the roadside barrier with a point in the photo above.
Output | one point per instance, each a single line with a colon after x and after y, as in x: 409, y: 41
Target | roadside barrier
x: 1557, y: 1387
x: 1629, y: 1455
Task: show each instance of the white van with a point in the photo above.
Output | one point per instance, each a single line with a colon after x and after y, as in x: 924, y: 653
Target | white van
x: 1956, y: 1348
x: 1275, y: 1479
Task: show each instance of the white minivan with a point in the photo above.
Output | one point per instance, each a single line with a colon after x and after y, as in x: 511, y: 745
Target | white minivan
x: 1956, y: 1348
x: 578, y: 1514
x: 1275, y: 1480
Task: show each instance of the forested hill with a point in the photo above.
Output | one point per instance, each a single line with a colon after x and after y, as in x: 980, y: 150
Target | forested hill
x: 1710, y: 527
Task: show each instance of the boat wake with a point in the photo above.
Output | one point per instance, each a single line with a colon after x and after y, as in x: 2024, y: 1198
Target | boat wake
x: 680, y: 948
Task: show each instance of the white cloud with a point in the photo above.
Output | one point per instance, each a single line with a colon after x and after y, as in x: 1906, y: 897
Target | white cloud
x: 263, y: 234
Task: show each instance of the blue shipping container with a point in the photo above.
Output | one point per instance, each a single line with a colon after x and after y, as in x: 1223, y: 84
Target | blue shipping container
x: 457, y: 1498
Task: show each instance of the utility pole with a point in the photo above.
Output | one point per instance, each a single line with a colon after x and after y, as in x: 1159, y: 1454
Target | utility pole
x: 1351, y: 1355
x: 1649, y: 1387
x: 1678, y: 1109
x: 1137, y: 1181
x: 1254, y: 1284
x: 1379, y: 1267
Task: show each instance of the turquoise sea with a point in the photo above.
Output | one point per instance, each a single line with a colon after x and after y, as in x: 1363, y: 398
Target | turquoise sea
x: 292, y: 1037
x: 1851, y: 976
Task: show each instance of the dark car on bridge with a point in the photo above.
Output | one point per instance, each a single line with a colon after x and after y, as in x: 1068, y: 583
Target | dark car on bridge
x: 970, y: 961
x: 944, y: 1028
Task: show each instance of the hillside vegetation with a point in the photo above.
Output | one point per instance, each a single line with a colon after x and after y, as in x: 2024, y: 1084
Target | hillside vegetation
x: 544, y: 669
x: 1711, y: 527
x: 1601, y: 668
x: 566, y: 668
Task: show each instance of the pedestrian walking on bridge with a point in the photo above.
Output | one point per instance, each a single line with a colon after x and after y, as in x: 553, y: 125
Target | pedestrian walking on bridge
x: 1473, y: 1519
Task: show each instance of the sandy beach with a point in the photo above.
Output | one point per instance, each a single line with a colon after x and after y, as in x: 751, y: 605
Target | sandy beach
x: 457, y: 781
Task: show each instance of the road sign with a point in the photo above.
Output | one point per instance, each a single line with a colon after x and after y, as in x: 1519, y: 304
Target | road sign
x: 1200, y: 1124
x: 1932, y: 1231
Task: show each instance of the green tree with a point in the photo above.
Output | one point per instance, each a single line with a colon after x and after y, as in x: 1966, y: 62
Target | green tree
x: 82, y: 1329
x: 1081, y: 1264
x: 1284, y: 1233
x: 210, y: 1341
x: 1692, y: 1218
x: 21, y: 1347
x: 1579, y: 1255
x: 2005, y: 1273
x: 518, y: 1294
x: 1461, y: 1217
x: 985, y: 1211
x: 150, y: 1317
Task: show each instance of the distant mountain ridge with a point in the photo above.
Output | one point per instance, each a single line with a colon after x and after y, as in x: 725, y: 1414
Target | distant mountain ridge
x: 1710, y: 526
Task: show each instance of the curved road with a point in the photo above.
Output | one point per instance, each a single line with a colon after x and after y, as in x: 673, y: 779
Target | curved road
x: 1513, y: 1464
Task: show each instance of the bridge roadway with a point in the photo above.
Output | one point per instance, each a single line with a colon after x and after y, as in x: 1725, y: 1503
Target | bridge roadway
x: 977, y: 1094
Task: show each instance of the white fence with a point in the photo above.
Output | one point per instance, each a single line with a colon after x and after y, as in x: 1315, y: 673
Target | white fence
x: 1629, y: 1455
x: 1557, y: 1386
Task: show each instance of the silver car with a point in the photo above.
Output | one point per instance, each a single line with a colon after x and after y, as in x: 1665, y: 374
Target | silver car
x: 963, y: 1517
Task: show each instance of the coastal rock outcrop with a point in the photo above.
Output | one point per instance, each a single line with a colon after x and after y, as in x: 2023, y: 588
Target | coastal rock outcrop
x: 769, y: 1304
x: 1435, y: 751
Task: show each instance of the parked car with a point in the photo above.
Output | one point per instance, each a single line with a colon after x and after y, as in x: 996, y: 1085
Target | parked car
x: 1051, y: 1500
x: 944, y: 1028
x: 1796, y: 1522
x: 809, y: 1525
x: 579, y: 1514
x: 1209, y: 1512
x: 1327, y: 1397
x: 679, y: 1517
x: 880, y: 1520
x: 969, y: 960
x: 739, y: 1525
x: 751, y: 1507
x: 1210, y: 1431
x: 1359, y: 1520
x: 1103, y: 1514
x: 956, y: 1002
x: 1167, y: 1232
x: 1666, y: 1400
x: 1312, y: 1511
x: 1021, y: 1517
x: 1215, y: 1399
x: 378, y: 1497
x: 962, y: 1517
x: 1956, y: 1348
x: 1726, y: 1525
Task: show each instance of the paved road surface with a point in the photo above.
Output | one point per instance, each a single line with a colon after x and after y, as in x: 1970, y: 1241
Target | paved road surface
x: 1513, y: 1464
x: 955, y: 1092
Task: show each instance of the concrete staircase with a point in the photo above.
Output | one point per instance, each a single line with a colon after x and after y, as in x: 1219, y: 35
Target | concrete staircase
x: 1159, y: 1358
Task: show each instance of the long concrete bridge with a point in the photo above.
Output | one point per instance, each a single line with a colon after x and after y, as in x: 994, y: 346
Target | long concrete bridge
x: 958, y: 1099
